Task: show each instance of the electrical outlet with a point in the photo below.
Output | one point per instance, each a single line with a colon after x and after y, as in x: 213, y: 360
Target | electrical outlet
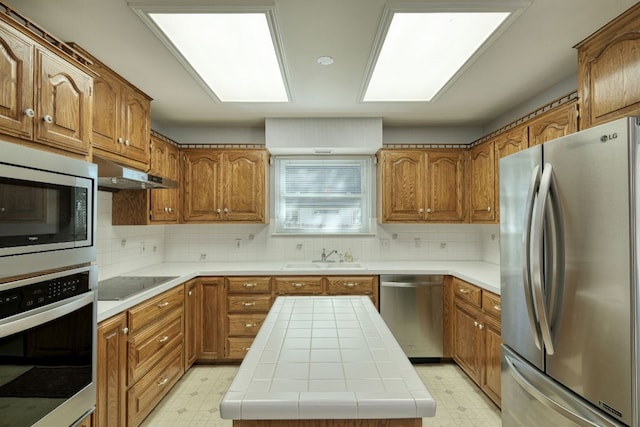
x: 203, y: 257
x: 238, y: 243
x: 143, y: 248
x: 443, y: 245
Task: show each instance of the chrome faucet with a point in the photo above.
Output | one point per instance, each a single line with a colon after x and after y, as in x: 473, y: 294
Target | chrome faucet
x: 324, y: 255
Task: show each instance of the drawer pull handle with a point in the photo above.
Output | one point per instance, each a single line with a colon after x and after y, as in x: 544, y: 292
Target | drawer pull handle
x: 463, y: 291
x: 298, y: 285
x: 163, y: 381
x: 163, y: 304
x: 248, y: 304
x: 250, y: 325
x: 497, y: 307
x: 249, y: 285
x: 247, y: 348
x: 351, y: 285
x: 164, y: 339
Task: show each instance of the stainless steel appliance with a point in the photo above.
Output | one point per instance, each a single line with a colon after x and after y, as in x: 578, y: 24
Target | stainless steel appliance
x: 48, y: 349
x: 411, y: 306
x: 47, y: 211
x: 122, y: 287
x: 569, y: 221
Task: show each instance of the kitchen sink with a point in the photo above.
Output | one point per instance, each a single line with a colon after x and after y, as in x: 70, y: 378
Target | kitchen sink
x: 323, y: 265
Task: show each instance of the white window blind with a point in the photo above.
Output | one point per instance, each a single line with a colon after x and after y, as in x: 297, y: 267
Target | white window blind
x: 323, y: 195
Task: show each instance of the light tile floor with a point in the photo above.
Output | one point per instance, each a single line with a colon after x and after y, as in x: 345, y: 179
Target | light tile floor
x: 194, y: 400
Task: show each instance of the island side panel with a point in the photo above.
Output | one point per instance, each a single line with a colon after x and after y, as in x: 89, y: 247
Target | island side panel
x: 397, y: 422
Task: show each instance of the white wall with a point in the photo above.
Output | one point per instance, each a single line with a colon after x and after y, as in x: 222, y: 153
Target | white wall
x: 121, y: 249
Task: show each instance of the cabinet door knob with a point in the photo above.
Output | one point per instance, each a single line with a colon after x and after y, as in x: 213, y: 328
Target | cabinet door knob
x: 218, y: 210
x: 480, y: 326
x: 120, y: 140
x: 475, y: 323
x: 125, y: 330
x: 488, y: 208
x: 170, y: 210
x: 47, y: 119
x: 428, y: 210
x: 126, y: 142
x: 29, y: 112
x: 190, y: 293
x: 226, y: 210
x: 421, y: 210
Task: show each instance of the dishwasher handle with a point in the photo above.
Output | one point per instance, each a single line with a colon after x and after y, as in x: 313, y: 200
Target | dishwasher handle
x: 409, y: 284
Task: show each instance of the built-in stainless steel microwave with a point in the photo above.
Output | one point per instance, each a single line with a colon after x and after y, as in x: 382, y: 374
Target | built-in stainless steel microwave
x: 47, y: 211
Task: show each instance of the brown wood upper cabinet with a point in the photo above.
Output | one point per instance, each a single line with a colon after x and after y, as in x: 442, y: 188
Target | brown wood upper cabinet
x: 224, y: 185
x: 43, y: 97
x: 165, y: 162
x: 482, y: 190
x: 421, y: 185
x: 608, y: 69
x: 121, y: 118
x: 554, y: 123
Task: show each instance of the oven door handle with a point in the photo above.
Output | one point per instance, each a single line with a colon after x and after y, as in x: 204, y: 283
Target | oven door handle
x: 45, y: 314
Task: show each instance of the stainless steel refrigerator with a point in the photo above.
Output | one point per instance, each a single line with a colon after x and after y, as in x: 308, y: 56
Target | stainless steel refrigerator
x: 569, y: 260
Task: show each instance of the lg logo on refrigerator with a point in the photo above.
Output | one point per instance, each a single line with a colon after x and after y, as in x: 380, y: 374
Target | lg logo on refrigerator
x: 605, y: 138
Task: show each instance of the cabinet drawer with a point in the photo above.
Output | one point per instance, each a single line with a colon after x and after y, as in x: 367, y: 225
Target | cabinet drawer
x: 245, y: 325
x: 467, y: 292
x: 249, y: 285
x: 298, y: 285
x: 146, y: 393
x: 248, y: 303
x: 358, y: 285
x: 237, y: 348
x: 491, y: 304
x: 151, y: 311
x: 150, y: 345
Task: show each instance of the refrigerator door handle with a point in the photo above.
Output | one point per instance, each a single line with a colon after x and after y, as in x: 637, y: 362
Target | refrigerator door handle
x: 538, y: 258
x: 543, y: 398
x: 526, y: 250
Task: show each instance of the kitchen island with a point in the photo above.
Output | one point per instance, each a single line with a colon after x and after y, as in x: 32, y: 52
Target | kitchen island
x: 327, y: 361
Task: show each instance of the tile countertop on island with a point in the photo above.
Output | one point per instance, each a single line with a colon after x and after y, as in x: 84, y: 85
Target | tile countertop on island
x: 326, y: 357
x: 483, y: 274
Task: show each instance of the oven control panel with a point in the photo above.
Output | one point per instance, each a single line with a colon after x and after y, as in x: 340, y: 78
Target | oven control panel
x: 25, y: 298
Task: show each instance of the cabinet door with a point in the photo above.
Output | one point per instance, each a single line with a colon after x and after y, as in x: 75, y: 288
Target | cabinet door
x: 213, y: 318
x: 201, y: 187
x: 16, y: 84
x: 164, y: 162
x: 192, y: 324
x: 467, y: 345
x: 445, y: 186
x: 107, y: 112
x: 553, y: 124
x: 482, y: 185
x: 402, y: 185
x: 243, y: 194
x: 112, y: 370
x: 63, y: 116
x: 136, y: 126
x: 490, y: 383
x: 508, y: 143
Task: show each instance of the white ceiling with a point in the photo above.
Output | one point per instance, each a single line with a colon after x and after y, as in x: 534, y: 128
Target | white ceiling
x: 534, y: 53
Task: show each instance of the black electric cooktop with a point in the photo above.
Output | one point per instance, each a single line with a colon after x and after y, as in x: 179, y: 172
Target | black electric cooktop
x: 122, y: 287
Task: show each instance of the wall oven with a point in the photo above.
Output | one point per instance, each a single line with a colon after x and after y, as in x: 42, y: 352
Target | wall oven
x: 47, y: 211
x: 48, y: 348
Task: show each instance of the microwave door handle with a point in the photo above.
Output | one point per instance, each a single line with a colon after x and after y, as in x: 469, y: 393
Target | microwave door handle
x: 538, y: 258
x: 45, y: 314
x: 526, y: 251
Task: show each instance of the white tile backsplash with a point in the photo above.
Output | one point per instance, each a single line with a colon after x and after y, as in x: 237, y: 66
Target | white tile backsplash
x: 124, y: 248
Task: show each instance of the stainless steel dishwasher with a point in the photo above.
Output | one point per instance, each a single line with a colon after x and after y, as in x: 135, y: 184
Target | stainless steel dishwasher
x: 411, y: 306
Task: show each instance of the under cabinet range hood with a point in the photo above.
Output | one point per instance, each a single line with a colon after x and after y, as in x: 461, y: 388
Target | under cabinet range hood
x: 328, y: 136
x: 117, y: 176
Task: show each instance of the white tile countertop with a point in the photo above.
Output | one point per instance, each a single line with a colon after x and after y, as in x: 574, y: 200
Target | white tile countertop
x: 320, y: 357
x: 483, y: 274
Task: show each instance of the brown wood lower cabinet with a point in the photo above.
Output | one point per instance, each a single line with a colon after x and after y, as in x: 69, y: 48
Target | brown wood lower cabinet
x: 112, y: 372
x: 212, y: 306
x: 192, y: 322
x: 476, y: 336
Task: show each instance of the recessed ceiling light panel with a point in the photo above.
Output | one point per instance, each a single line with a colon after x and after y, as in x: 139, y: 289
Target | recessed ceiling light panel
x: 423, y: 51
x: 233, y: 54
